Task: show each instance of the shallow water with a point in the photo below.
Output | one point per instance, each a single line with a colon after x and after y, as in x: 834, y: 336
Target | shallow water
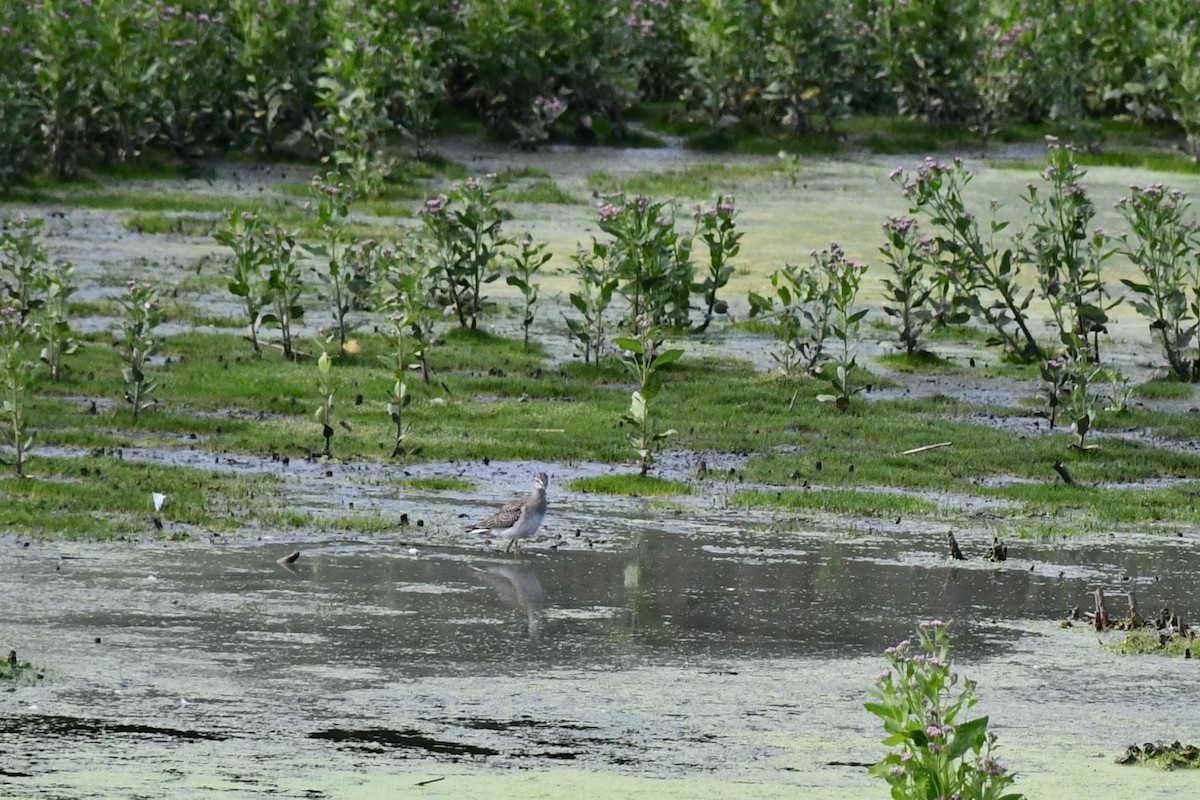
x: 723, y: 665
x: 680, y: 650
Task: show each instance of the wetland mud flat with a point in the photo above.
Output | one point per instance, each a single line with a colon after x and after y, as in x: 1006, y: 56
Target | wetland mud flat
x: 672, y: 666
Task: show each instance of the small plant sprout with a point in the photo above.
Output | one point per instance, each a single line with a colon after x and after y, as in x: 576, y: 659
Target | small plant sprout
x: 286, y: 281
x: 16, y: 375
x: 911, y: 291
x: 788, y: 308
x: 644, y: 359
x: 596, y: 287
x: 399, y: 399
x: 1056, y: 383
x: 22, y: 261
x: 716, y: 226
x: 936, y: 755
x: 526, y: 261
x: 55, y: 329
x: 325, y: 393
x: 404, y: 292
x: 843, y: 279
x: 1068, y: 381
x: 247, y: 235
x: 1082, y: 402
x: 341, y: 280
x: 141, y: 315
x: 1120, y: 391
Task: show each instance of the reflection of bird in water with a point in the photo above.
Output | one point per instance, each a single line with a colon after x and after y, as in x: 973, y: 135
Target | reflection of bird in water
x: 519, y: 519
x: 517, y: 587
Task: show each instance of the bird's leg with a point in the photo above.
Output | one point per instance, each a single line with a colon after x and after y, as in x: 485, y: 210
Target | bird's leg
x: 511, y: 542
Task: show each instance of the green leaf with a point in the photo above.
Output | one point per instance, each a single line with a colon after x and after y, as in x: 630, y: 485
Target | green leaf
x: 966, y: 736
x: 668, y: 357
x: 630, y: 344
x: 637, y: 408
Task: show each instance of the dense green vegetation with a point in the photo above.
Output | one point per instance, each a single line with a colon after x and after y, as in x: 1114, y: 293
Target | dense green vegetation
x: 119, y: 81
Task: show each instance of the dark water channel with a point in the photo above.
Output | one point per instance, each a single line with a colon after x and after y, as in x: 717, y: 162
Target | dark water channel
x: 184, y: 669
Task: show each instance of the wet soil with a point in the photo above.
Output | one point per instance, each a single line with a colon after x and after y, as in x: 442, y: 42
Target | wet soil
x: 672, y: 647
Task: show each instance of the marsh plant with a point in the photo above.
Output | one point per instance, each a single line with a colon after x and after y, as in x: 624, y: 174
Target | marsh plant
x: 247, y: 234
x: 1120, y: 391
x: 917, y: 295
x: 1067, y: 252
x: 286, y: 281
x: 399, y: 399
x: 843, y: 278
x: 54, y: 330
x: 1163, y: 244
x: 645, y: 359
x: 1082, y: 400
x: 274, y: 44
x: 1056, y: 377
x: 937, y: 755
x: 649, y: 258
x: 717, y: 228
x: 141, y: 314
x: 22, y: 262
x: 1175, y: 65
x: 1068, y: 388
x: 465, y: 226
x: 341, y: 261
x: 801, y: 307
x: 597, y: 285
x: 417, y: 80
x: 350, y: 95
x: 525, y: 263
x: 539, y: 123
x: 985, y: 277
x: 404, y: 293
x: 16, y: 375
x: 325, y: 400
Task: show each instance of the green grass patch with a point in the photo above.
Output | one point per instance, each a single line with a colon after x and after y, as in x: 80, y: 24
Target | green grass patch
x: 856, y: 502
x: 921, y: 361
x: 15, y: 672
x: 699, y: 182
x: 438, y: 484
x: 1164, y: 390
x: 169, y: 223
x: 1162, y: 756
x: 1094, y: 507
x: 542, y: 191
x: 103, y: 496
x: 1144, y: 641
x: 630, y: 486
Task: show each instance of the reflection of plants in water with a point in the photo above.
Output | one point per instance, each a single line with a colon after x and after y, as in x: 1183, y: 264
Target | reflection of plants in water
x: 937, y: 755
x: 641, y: 617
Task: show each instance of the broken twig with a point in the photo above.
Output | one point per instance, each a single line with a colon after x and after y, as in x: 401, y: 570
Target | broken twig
x: 937, y: 446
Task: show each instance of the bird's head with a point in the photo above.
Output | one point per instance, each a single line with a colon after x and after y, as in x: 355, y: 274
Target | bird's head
x: 541, y: 480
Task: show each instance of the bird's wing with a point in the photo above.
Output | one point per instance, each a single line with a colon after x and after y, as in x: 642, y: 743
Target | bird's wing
x: 506, y: 517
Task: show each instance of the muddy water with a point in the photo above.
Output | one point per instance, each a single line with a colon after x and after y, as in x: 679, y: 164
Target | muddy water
x: 717, y: 666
